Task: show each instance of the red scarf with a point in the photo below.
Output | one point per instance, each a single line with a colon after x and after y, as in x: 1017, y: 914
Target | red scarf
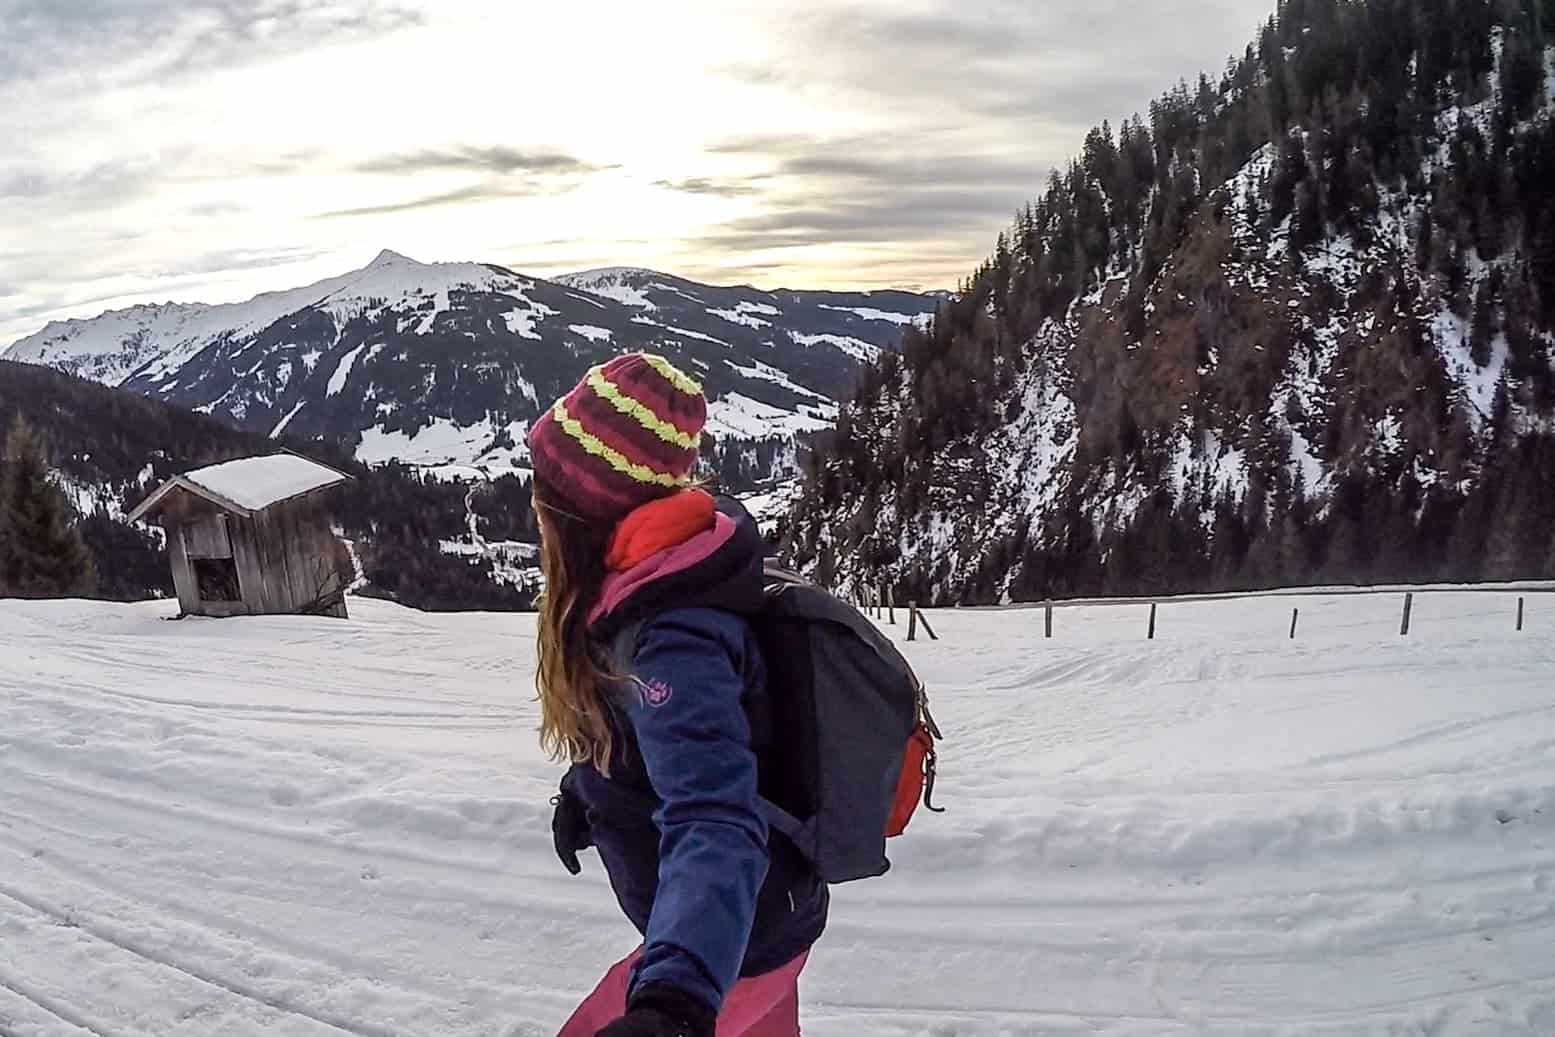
x: 657, y: 526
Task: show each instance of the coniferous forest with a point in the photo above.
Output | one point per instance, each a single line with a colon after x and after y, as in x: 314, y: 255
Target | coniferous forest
x: 1294, y: 325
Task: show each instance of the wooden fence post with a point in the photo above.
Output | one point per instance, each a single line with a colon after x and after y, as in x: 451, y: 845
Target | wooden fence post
x: 1409, y: 606
x: 1152, y: 622
x: 912, y: 621
x: 890, y: 605
x: 1519, y: 615
x: 926, y: 628
x: 1047, y: 621
x: 1295, y: 614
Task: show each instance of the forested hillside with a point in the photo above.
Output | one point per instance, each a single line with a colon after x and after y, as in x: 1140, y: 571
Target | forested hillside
x: 1292, y: 326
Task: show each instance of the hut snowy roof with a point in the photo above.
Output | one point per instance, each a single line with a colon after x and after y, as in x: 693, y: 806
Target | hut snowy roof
x: 248, y: 485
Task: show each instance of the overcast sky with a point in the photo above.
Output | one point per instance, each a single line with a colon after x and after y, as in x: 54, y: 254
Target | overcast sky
x: 210, y: 149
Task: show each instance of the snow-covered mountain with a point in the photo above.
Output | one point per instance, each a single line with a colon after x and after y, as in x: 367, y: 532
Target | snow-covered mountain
x: 447, y: 363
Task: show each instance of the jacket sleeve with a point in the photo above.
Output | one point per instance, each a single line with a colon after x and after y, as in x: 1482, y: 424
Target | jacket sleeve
x: 695, y: 741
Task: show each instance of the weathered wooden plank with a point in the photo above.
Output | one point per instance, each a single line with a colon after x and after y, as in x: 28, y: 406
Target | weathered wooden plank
x: 183, y: 574
x: 278, y: 575
x: 318, y: 548
x: 301, y: 574
x: 245, y: 553
x: 207, y: 538
x: 300, y: 569
x: 272, y: 556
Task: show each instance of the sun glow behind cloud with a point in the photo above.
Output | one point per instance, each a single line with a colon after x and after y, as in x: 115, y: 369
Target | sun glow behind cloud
x: 214, y: 148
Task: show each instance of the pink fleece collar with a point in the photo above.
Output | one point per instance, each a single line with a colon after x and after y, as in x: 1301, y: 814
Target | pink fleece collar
x: 618, y: 587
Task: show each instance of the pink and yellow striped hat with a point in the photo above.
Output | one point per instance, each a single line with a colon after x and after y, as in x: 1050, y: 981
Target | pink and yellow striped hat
x: 627, y: 434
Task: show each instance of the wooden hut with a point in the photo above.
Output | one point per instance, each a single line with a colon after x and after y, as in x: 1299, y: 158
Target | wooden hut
x: 251, y: 537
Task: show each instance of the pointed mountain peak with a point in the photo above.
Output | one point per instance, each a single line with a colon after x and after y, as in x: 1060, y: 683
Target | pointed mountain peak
x: 388, y: 257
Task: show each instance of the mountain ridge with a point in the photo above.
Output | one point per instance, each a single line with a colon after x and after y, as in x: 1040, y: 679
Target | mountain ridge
x: 444, y: 364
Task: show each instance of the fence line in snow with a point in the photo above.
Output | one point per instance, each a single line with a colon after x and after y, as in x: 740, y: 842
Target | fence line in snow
x: 879, y: 601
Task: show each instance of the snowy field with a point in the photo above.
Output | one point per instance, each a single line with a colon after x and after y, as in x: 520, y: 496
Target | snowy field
x: 309, y: 827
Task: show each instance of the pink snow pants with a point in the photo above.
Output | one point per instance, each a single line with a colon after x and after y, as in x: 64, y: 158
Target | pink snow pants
x: 761, y: 1006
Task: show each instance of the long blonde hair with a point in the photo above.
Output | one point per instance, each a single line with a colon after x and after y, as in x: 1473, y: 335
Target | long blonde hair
x: 573, y: 675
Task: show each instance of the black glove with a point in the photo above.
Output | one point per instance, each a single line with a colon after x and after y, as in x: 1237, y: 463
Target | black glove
x: 660, y: 1010
x: 570, y: 828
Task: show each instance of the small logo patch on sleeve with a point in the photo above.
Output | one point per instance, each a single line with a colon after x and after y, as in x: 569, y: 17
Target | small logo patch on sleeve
x: 655, y: 692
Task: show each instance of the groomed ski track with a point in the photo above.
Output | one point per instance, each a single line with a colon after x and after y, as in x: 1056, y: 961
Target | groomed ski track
x: 304, y: 827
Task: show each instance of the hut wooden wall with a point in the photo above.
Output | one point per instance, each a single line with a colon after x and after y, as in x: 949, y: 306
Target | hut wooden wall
x: 285, y: 556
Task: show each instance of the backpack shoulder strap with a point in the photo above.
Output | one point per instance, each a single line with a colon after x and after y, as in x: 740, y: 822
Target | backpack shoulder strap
x: 623, y: 647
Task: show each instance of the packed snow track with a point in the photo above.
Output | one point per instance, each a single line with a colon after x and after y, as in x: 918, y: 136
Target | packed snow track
x: 305, y: 827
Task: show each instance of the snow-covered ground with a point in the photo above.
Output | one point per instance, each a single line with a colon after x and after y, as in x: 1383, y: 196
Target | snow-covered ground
x: 306, y: 827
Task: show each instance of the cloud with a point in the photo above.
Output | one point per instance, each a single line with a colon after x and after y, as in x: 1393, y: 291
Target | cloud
x: 208, y: 210
x: 474, y: 193
x: 1069, y: 64
x: 879, y: 159
x: 499, y: 160
x: 106, y: 183
x: 716, y: 187
x: 301, y: 161
x: 508, y: 173
x: 222, y: 261
x: 870, y: 189
x: 487, y: 191
x: 971, y: 103
x: 157, y: 39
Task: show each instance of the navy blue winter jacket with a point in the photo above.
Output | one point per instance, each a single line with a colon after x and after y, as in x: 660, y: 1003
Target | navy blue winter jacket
x: 715, y: 894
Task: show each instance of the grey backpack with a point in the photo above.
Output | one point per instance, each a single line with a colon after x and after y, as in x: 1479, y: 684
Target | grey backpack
x: 853, y: 741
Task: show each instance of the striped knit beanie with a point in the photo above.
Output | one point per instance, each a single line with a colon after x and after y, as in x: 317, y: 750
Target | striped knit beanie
x: 627, y: 434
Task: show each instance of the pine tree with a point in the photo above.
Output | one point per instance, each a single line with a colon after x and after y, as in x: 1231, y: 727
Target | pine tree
x: 1306, y: 228
x: 1423, y: 241
x: 1481, y: 331
x: 41, y: 553
x: 1344, y: 563
x: 1505, y: 558
x: 1522, y: 71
